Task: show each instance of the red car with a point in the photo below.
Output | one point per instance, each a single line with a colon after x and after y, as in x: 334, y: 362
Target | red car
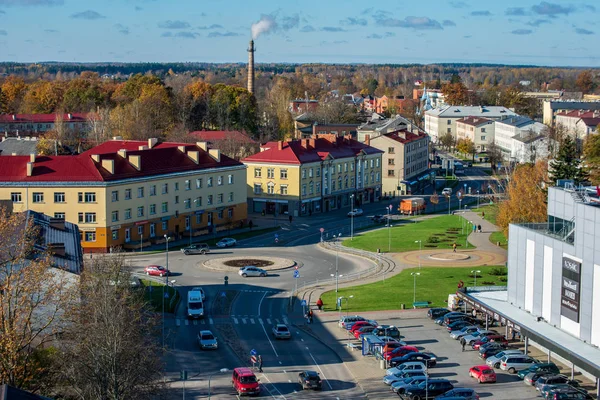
x: 490, y: 338
x: 400, y: 351
x: 363, y: 330
x: 156, y: 270
x: 483, y: 373
x: 360, y: 324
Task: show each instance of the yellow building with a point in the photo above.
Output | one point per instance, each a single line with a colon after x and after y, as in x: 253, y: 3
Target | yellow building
x: 313, y: 175
x: 125, y: 193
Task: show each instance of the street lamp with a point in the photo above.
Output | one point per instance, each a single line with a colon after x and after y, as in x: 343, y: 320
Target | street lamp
x: 477, y: 198
x: 221, y: 371
x: 337, y: 254
x: 189, y: 218
x: 414, y: 275
x: 351, y: 216
x: 420, y: 242
x: 475, y: 272
x: 167, y: 238
x: 389, y: 224
x: 141, y: 242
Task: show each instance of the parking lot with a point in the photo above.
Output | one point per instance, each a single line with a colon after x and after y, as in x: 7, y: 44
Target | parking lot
x: 453, y: 364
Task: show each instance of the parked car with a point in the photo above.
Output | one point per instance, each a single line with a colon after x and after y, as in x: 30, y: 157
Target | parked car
x: 360, y: 324
x: 387, y: 330
x: 207, y: 340
x: 494, y: 361
x: 450, y: 318
x: 490, y: 339
x: 435, y: 313
x: 433, y: 387
x: 379, y: 219
x: 201, y: 248
x: 547, y: 389
x: 441, y: 320
x: 226, y: 242
x: 156, y: 270
x: 428, y: 359
x: 461, y: 323
x: 538, y: 366
x: 483, y: 373
x: 466, y: 330
x: 555, y: 379
x: 532, y: 377
x: 514, y: 362
x: 345, y: 321
x: 400, y: 351
x: 459, y: 393
x: 475, y: 336
x: 365, y: 329
x: 357, y: 212
x: 281, y: 331
x: 568, y: 394
x: 350, y: 324
x: 389, y: 346
x: 399, y: 386
x: 309, y: 380
x: 490, y: 350
x: 408, y: 366
x: 251, y: 270
x: 244, y: 382
x: 389, y: 339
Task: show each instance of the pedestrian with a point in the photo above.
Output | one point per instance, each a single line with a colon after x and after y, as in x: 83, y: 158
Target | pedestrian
x: 310, y: 316
x: 320, y: 304
x: 474, y: 228
x: 260, y: 363
x: 454, y: 247
x: 479, y: 228
x: 463, y: 345
x: 310, y: 212
x: 483, y: 214
x: 290, y: 219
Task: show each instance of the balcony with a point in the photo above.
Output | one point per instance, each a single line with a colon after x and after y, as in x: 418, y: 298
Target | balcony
x: 563, y: 231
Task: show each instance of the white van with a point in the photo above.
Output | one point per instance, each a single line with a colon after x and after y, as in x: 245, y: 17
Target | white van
x: 195, y: 305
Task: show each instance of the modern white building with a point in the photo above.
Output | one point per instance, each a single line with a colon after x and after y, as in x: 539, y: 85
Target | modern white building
x: 478, y: 130
x: 507, y: 128
x: 441, y: 121
x: 529, y: 146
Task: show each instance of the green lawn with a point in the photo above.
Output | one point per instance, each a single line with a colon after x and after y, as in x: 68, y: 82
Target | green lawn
x: 433, y: 285
x: 153, y: 294
x: 496, y: 237
x: 439, y: 233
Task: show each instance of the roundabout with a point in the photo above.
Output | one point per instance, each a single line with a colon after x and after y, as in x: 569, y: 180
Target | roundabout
x: 449, y: 256
x: 233, y: 264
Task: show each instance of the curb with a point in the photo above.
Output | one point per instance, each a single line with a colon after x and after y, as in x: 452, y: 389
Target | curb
x: 225, y: 268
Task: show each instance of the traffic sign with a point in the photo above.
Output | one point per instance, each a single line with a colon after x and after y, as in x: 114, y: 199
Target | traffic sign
x: 303, y: 303
x: 276, y: 236
x: 166, y: 295
x: 183, y: 375
x: 253, y: 359
x: 390, y: 207
x: 322, y: 230
x: 296, y: 274
x: 253, y: 352
x: 465, y: 185
x: 276, y: 240
x: 223, y: 294
x: 296, y: 267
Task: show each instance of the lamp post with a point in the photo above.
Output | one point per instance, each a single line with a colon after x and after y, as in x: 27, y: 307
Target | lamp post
x: 141, y: 242
x: 475, y: 272
x: 337, y: 253
x: 414, y: 275
x: 420, y: 242
x: 189, y: 218
x: 167, y: 238
x: 389, y: 224
x: 351, y: 216
x: 477, y: 198
x: 449, y: 197
x: 221, y: 371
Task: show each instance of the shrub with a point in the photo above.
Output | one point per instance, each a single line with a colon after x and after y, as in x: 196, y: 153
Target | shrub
x: 433, y: 239
x: 499, y: 271
x: 486, y: 283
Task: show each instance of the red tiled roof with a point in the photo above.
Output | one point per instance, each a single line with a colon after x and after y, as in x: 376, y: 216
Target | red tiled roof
x: 295, y: 152
x: 210, y: 136
x: 404, y: 136
x: 163, y: 158
x: 40, y: 118
x: 577, y: 114
x: 591, y: 121
x: 474, y: 121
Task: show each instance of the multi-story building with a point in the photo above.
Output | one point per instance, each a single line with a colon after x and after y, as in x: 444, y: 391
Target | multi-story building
x: 478, y: 130
x: 28, y: 124
x: 553, y: 107
x: 405, y: 162
x: 579, y: 123
x: 509, y: 127
x: 319, y: 174
x: 441, y: 121
x: 308, y: 131
x: 379, y: 125
x: 127, y: 193
x: 530, y: 146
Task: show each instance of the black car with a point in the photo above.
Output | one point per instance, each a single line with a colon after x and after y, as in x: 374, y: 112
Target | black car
x: 488, y: 351
x: 442, y: 319
x: 568, y: 394
x: 435, y: 313
x: 434, y: 388
x: 309, y: 380
x: 429, y: 359
x: 458, y: 325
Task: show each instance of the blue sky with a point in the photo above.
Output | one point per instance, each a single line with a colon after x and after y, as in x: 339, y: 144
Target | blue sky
x: 333, y: 31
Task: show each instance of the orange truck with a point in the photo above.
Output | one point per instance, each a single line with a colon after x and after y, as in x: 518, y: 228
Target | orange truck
x: 411, y: 206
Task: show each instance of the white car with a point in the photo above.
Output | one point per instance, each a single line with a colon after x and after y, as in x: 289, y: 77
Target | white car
x: 357, y: 212
x: 281, y: 331
x: 226, y: 242
x: 207, y: 340
x: 494, y: 361
x: 474, y: 336
x: 467, y: 330
x: 447, y: 191
x: 251, y: 270
x: 199, y: 289
x: 407, y: 366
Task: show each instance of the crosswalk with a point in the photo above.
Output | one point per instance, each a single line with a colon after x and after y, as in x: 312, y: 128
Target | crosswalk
x: 236, y: 319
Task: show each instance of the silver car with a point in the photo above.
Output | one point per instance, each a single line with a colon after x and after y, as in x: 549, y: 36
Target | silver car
x: 201, y: 248
x: 514, y: 362
x: 207, y: 340
x: 494, y: 361
x: 226, y: 242
x: 281, y: 331
x: 469, y: 339
x: 467, y: 330
x: 251, y: 270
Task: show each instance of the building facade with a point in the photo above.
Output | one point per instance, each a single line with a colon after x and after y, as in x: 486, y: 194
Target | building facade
x: 405, y: 163
x: 552, y: 107
x: 319, y: 174
x: 22, y: 124
x: 480, y: 131
x: 131, y: 193
x: 579, y: 123
x: 509, y: 127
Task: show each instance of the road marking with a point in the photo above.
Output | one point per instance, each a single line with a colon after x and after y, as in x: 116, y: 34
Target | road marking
x: 195, y: 322
x: 264, y: 330
x: 285, y: 321
x: 235, y: 320
x: 268, y: 321
x: 260, y: 321
x: 280, y: 363
x: 285, y: 372
x: 178, y: 322
x: 252, y: 320
x: 289, y: 380
x: 302, y: 340
x: 322, y: 374
x: 210, y: 321
x: 243, y: 320
x: 274, y: 387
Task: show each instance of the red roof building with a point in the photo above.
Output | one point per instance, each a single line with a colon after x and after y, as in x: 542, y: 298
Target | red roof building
x: 35, y: 124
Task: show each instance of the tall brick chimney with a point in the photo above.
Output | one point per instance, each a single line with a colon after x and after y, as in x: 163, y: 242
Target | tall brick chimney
x: 251, y: 51
x: 368, y: 140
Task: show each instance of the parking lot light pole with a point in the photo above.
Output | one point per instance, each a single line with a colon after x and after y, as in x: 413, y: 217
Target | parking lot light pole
x: 420, y: 242
x: 475, y: 275
x: 415, y: 274
x: 167, y: 238
x: 351, y: 216
x: 478, y: 199
x: 221, y: 371
x: 389, y: 224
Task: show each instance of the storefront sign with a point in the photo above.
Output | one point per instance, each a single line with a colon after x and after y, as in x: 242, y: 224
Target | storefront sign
x: 570, y: 289
x: 141, y: 223
x: 115, y: 227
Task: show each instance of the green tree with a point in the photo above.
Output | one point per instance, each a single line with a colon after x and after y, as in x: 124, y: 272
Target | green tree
x: 591, y: 156
x: 466, y: 146
x: 567, y: 165
x: 371, y: 85
x: 455, y: 78
x: 447, y: 140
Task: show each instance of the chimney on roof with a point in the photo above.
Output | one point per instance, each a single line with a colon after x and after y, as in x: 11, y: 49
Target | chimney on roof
x: 32, y: 157
x: 280, y: 145
x: 117, y: 138
x: 368, y: 140
x: 202, y: 145
x: 152, y: 142
x: 14, y: 117
x: 57, y: 249
x: 29, y: 169
x: 215, y: 154
x: 122, y: 153
x: 109, y: 165
x: 70, y: 116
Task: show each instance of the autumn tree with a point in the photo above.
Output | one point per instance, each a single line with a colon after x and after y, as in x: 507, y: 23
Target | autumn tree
x: 42, y: 97
x: 13, y: 90
x: 585, y: 82
x: 447, y: 140
x: 466, y: 146
x: 494, y: 154
x: 33, y: 297
x: 112, y: 349
x: 335, y: 112
x: 591, y: 156
x: 567, y: 165
x: 455, y: 94
x: 526, y: 196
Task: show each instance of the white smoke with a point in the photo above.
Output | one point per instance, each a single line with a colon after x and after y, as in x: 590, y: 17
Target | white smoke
x: 266, y: 24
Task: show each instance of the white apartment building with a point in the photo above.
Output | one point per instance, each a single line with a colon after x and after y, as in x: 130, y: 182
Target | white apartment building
x: 579, y: 123
x: 507, y: 128
x: 478, y: 130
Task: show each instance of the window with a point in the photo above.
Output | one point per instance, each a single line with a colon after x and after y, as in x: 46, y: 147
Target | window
x: 187, y: 223
x: 140, y: 211
x: 318, y: 171
x: 482, y: 130
x: 198, y: 219
x: 257, y: 188
x: 284, y: 189
x: 483, y: 138
x: 140, y: 230
x: 16, y: 197
x: 153, y: 190
x: 115, y: 216
x: 230, y: 179
x: 38, y: 197
x: 351, y: 182
x: 199, y: 183
x: 449, y: 130
x: 176, y: 199
x: 303, y: 190
x: 310, y: 173
x: 346, y: 167
x: 390, y: 161
x: 198, y: 201
x: 391, y: 172
x: 283, y: 173
x: 371, y: 163
x: 209, y: 201
x: 230, y: 213
x: 164, y: 226
x: 209, y: 182
x: 164, y: 207
x: 140, y: 192
x: 257, y: 173
x: 219, y: 180
x: 351, y: 167
x: 332, y: 185
x: 311, y: 188
x: 152, y: 209
x: 303, y: 174
x: 80, y: 218
x: 127, y: 194
x: 318, y: 187
x: 377, y: 163
x: 271, y: 173
x: 339, y: 168
x: 176, y: 186
x: 188, y: 185
x: 391, y: 150
x: 127, y: 235
x: 271, y: 189
x: 345, y: 182
x: 128, y: 213
x: 90, y: 218
x: 165, y: 188
x: 115, y: 196
x: 220, y: 214
x: 449, y: 122
x: 152, y: 230
x: 187, y: 204
x: 115, y: 235
x: 230, y: 197
x: 377, y: 177
x: 59, y: 215
x: 90, y: 236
